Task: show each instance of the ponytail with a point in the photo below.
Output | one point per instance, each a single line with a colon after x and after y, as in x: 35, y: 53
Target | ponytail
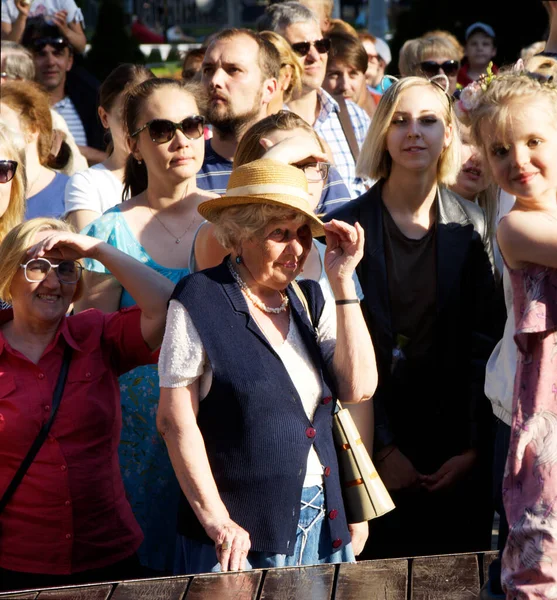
x: 135, y: 178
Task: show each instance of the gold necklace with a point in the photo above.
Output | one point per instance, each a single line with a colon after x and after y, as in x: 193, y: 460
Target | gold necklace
x: 177, y: 240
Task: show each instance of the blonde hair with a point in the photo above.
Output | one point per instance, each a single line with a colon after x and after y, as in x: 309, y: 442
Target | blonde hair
x: 288, y: 59
x: 418, y: 50
x: 531, y: 50
x: 375, y: 160
x: 494, y: 103
x: 16, y: 206
x: 15, y: 245
x: 544, y: 65
x: 451, y: 38
x: 240, y: 223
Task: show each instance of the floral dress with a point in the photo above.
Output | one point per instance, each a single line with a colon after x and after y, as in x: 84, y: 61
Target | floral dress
x: 529, y: 566
x: 151, y: 485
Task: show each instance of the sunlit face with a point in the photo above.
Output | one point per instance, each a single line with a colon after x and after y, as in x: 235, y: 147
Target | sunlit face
x: 522, y: 156
x: 276, y: 255
x: 315, y: 187
x: 343, y: 79
x: 417, y: 134
x: 373, y: 63
x: 480, y: 49
x: 43, y: 303
x: 5, y: 188
x: 234, y: 82
x: 473, y: 177
x: 178, y: 159
x: 315, y: 64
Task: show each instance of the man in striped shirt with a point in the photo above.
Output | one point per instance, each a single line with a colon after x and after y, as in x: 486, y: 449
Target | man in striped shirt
x: 77, y: 104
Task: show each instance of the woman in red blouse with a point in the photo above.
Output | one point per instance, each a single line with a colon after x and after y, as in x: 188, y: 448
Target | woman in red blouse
x: 68, y: 520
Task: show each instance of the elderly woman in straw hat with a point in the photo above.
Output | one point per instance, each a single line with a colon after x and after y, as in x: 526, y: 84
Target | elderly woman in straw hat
x: 248, y: 376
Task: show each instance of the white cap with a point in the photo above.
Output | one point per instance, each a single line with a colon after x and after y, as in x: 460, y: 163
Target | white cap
x: 383, y: 50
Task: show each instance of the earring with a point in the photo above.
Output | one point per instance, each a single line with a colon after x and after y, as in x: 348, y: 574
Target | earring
x: 139, y: 161
x: 239, y: 260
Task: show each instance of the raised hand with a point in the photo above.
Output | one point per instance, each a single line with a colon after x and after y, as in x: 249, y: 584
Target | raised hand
x: 345, y: 248
x: 70, y: 245
x: 294, y: 150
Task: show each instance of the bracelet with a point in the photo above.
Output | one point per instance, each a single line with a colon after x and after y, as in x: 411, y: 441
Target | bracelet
x: 350, y: 301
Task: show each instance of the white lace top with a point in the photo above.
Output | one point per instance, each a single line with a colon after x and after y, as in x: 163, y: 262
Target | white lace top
x: 183, y: 360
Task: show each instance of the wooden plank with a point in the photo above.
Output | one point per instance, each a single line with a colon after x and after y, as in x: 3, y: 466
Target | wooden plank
x: 167, y: 588
x: 307, y: 583
x: 488, y: 558
x: 87, y: 592
x: 373, y: 580
x: 454, y: 576
x: 225, y: 586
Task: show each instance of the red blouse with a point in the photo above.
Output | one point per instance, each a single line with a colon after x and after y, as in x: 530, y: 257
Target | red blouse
x: 70, y: 512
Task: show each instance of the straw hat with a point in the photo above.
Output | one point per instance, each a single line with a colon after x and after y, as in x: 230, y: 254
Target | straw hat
x: 265, y: 181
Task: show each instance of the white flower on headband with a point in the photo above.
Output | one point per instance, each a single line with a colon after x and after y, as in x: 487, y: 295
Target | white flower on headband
x: 469, y: 99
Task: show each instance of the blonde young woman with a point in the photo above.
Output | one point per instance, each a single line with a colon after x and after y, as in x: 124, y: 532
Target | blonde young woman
x: 12, y: 183
x: 429, y: 296
x: 157, y: 225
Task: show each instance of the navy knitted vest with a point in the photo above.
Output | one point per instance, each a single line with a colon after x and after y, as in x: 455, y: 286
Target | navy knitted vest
x: 256, y: 432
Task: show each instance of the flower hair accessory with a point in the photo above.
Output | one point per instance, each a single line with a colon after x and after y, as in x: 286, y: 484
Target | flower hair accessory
x: 471, y: 95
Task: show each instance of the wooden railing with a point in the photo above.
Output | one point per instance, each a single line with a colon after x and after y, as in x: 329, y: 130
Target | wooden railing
x: 447, y: 577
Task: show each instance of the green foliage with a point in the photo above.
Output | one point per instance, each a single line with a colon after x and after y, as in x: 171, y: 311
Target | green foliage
x: 111, y: 43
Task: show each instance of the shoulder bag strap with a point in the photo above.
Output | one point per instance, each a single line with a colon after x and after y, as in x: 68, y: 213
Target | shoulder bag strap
x: 347, y: 128
x: 302, y: 298
x: 43, y: 433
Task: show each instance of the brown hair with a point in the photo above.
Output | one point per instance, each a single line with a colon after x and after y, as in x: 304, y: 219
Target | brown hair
x: 269, y: 59
x: 340, y: 27
x: 31, y: 102
x: 366, y: 36
x: 135, y: 174
x: 250, y: 149
x: 192, y: 56
x: 349, y: 50
x: 416, y: 51
x: 118, y: 82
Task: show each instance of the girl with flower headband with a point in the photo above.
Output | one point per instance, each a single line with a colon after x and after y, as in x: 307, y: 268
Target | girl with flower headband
x: 512, y: 117
x: 429, y: 295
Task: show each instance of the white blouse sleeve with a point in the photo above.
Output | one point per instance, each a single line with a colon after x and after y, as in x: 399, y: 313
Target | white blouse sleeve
x: 182, y: 358
x: 327, y: 330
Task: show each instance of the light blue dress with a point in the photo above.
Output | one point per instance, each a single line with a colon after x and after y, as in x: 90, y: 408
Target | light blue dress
x: 151, y: 485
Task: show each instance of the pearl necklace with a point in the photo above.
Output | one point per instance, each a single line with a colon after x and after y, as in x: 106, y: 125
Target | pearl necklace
x: 253, y: 298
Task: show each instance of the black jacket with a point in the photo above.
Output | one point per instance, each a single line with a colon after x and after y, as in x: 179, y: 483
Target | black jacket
x: 439, y: 413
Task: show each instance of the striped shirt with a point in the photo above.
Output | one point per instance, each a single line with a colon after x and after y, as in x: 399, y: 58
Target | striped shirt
x: 214, y: 174
x: 328, y: 126
x: 66, y: 109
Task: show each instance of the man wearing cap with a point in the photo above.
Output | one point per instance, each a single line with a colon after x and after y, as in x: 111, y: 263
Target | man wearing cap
x: 73, y: 92
x: 300, y: 27
x: 378, y: 56
x: 479, y: 49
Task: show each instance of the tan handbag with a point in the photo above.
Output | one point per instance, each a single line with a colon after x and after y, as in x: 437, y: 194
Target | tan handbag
x: 364, y: 494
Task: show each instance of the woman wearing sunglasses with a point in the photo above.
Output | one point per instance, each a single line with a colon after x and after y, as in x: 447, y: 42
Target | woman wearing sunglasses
x: 69, y: 520
x: 28, y: 104
x: 156, y: 226
x: 430, y: 56
x: 12, y: 184
x: 431, y: 308
x: 93, y: 191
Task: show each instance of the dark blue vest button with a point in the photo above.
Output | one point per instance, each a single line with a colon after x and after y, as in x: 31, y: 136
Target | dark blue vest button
x: 327, y: 399
x: 333, y: 514
x: 310, y: 432
x: 337, y: 543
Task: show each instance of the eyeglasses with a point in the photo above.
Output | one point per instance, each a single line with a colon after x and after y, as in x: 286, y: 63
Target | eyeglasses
x: 163, y: 130
x: 302, y: 48
x: 315, y: 171
x: 430, y: 68
x: 58, y: 43
x: 37, y: 269
x: 7, y: 170
x: 371, y: 57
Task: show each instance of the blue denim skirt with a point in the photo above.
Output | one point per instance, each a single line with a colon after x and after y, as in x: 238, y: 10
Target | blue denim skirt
x: 313, y: 544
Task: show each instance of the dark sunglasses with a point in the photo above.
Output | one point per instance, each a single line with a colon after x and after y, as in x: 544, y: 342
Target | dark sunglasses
x: 58, y: 43
x: 432, y: 68
x: 163, y: 130
x: 322, y: 46
x: 7, y: 170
